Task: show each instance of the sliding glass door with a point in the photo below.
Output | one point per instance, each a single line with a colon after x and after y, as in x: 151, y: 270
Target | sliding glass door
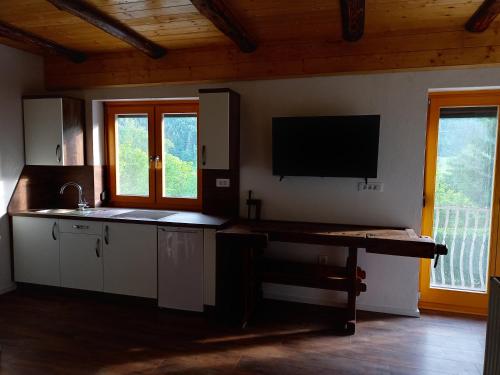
x: 461, y: 208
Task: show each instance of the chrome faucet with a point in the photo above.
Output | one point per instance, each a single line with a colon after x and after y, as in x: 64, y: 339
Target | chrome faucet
x: 82, y: 204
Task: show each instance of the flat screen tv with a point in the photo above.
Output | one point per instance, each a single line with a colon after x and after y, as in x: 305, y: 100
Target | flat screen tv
x: 327, y: 146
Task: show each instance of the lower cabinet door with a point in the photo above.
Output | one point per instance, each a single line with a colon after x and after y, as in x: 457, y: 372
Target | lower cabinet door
x: 81, y: 261
x: 36, y: 250
x: 180, y: 268
x: 130, y: 253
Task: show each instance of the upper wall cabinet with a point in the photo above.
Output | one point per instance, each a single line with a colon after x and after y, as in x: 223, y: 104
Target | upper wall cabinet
x: 54, y: 131
x: 219, y: 128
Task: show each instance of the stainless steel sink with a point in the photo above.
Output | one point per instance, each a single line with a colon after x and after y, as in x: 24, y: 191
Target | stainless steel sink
x: 144, y: 215
x: 72, y: 212
x: 89, y: 212
x: 56, y: 211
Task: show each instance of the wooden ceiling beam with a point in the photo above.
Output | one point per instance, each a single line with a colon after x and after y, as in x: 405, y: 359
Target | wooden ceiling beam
x: 14, y: 33
x: 483, y: 16
x: 110, y: 25
x: 353, y: 19
x: 222, y: 18
x: 391, y: 52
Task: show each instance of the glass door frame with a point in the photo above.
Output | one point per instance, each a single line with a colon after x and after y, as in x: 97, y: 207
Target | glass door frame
x: 454, y: 300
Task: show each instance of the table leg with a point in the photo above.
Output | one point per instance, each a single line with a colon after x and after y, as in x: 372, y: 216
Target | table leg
x: 352, y: 271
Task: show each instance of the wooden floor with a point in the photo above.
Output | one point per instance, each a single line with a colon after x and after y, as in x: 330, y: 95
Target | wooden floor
x: 48, y: 333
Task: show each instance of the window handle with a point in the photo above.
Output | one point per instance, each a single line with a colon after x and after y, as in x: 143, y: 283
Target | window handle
x: 155, y: 159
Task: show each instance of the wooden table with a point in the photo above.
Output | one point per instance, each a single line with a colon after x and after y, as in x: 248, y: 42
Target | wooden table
x: 242, y: 267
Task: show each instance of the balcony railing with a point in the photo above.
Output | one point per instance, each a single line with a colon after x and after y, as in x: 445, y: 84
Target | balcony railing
x: 466, y: 232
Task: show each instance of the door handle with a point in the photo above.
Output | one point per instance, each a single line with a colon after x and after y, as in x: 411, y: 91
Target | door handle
x: 58, y: 153
x: 203, y: 155
x: 98, y: 248
x: 106, y: 235
x: 54, y: 231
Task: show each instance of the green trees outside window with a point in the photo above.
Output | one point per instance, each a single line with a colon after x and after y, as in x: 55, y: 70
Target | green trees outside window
x: 132, y: 154
x: 180, y: 156
x: 179, y: 159
x: 463, y: 196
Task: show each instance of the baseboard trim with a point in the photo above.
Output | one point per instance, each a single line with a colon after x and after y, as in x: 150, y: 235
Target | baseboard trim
x: 390, y: 310
x: 465, y: 310
x: 315, y: 301
x: 8, y: 289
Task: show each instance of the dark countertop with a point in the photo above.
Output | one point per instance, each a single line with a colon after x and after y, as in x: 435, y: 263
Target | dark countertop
x: 174, y: 218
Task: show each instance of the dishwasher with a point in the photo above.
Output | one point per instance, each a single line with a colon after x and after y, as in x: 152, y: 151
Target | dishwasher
x: 180, y: 268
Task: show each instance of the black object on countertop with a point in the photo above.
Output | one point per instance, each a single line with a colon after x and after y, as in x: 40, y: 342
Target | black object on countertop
x: 256, y: 204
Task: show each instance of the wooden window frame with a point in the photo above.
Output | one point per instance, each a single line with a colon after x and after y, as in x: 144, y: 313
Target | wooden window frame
x: 155, y: 111
x: 175, y: 108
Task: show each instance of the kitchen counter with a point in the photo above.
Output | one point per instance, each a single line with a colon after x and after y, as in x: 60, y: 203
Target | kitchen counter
x: 171, y: 218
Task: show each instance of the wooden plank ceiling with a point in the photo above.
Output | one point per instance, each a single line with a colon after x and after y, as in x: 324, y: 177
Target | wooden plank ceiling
x: 293, y: 38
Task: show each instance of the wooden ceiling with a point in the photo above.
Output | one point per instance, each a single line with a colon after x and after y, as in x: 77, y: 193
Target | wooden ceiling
x: 293, y: 37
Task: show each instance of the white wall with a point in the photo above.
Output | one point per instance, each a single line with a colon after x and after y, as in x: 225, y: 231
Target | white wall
x: 401, y: 100
x: 20, y: 73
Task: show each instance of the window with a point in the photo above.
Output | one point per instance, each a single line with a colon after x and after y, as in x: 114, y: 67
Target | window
x: 153, y: 154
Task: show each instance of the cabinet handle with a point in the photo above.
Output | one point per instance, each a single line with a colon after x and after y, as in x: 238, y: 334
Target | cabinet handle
x: 78, y: 226
x: 178, y: 230
x: 58, y: 153
x: 54, y: 231
x: 203, y: 155
x: 98, y: 248
x: 106, y: 235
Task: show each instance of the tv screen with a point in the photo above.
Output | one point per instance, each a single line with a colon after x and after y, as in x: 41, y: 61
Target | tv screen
x: 329, y: 146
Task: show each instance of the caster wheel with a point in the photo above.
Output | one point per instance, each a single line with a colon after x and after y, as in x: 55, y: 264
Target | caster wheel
x: 350, y: 328
x: 344, y: 329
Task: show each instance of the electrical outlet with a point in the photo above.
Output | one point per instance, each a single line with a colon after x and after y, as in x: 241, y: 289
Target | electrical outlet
x: 376, y: 187
x: 223, y: 182
x: 322, y: 259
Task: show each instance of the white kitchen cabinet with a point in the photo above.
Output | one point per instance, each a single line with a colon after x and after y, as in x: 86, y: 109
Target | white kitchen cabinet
x: 53, y: 131
x: 219, y: 124
x: 174, y: 264
x: 36, y: 250
x: 180, y: 268
x: 214, y: 130
x: 130, y: 259
x: 81, y: 261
